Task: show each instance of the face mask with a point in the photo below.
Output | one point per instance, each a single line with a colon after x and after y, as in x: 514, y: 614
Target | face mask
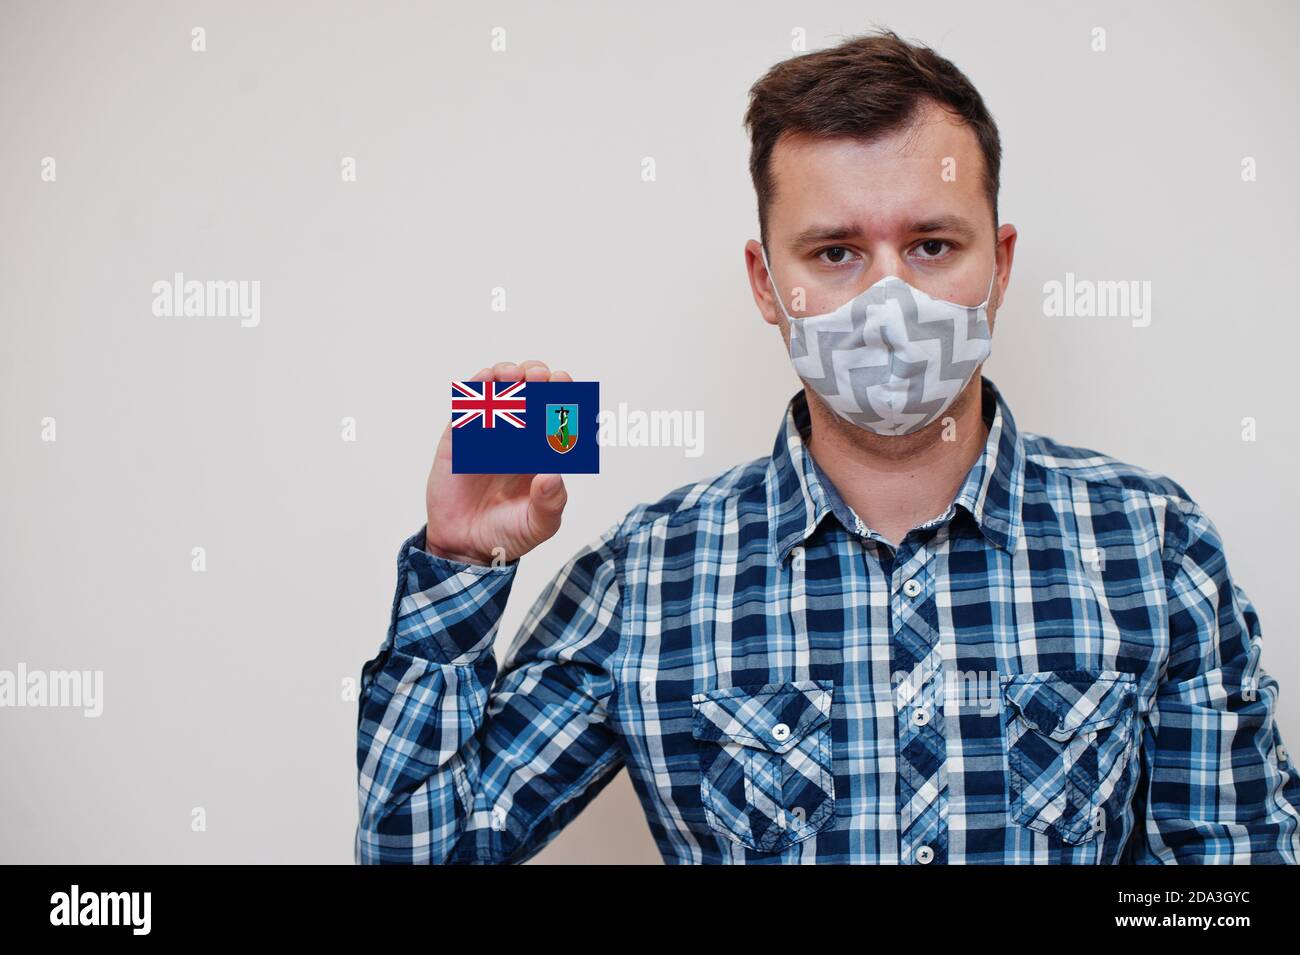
x: 892, y: 359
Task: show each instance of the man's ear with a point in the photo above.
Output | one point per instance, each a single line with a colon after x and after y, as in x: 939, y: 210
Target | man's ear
x: 1003, y: 255
x: 761, y: 284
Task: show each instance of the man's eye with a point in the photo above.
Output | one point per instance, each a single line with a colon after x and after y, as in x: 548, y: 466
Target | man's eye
x: 932, y: 248
x: 835, y: 255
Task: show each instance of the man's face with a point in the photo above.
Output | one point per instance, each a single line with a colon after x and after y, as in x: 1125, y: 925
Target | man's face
x: 847, y: 213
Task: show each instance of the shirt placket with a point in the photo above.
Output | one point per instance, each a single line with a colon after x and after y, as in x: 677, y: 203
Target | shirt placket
x: 918, y: 676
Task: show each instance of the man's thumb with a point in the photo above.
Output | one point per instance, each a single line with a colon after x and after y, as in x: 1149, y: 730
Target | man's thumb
x: 548, y: 493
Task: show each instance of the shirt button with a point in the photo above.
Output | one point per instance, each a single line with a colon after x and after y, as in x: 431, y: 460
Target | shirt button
x: 924, y: 855
x: 912, y: 587
x: 921, y: 715
x: 780, y: 732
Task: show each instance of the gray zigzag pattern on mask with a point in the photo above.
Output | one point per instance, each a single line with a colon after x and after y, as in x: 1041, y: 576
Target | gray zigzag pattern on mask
x: 862, y: 378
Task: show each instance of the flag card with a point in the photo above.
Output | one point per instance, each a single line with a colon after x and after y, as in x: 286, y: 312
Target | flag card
x: 524, y: 427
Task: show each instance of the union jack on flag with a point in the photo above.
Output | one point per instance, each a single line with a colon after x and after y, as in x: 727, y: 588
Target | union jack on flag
x: 487, y: 402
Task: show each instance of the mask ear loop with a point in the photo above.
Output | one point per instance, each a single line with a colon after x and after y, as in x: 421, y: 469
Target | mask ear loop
x: 988, y: 297
x: 772, y: 281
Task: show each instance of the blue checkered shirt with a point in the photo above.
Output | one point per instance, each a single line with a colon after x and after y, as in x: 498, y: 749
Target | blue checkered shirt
x: 1057, y: 669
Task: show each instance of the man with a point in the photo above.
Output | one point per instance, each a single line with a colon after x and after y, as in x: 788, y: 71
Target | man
x: 913, y: 634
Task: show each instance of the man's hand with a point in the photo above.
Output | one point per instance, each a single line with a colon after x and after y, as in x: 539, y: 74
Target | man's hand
x: 471, y: 515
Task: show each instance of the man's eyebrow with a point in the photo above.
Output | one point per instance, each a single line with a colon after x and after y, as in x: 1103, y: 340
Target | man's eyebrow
x: 823, y: 233
x: 943, y: 224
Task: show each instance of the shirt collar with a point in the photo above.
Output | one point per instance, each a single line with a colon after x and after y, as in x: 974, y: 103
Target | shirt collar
x: 799, y: 496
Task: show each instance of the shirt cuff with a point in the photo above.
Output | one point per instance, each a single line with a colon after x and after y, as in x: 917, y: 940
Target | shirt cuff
x: 447, y: 610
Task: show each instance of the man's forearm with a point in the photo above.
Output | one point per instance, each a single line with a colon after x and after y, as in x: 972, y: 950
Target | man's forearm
x: 422, y: 702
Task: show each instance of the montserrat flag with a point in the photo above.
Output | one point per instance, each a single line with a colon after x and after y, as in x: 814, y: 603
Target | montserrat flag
x: 524, y: 427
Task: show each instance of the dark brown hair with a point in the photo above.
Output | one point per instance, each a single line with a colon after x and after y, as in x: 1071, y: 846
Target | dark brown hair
x: 867, y: 87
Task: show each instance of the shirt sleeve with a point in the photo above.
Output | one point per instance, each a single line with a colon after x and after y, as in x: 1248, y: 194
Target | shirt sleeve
x: 1217, y: 785
x: 459, y: 764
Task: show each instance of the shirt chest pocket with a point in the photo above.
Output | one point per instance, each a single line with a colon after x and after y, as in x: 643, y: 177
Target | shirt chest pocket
x: 1069, y: 739
x: 766, y: 772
